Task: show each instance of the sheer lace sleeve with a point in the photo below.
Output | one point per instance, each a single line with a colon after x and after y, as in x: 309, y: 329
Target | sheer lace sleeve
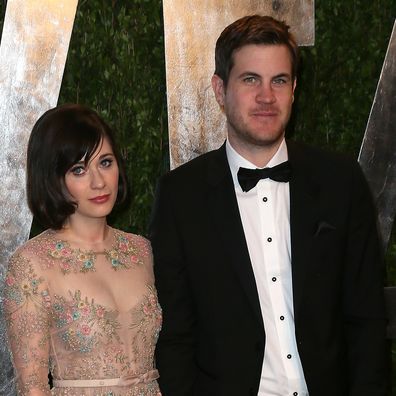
x: 26, y: 304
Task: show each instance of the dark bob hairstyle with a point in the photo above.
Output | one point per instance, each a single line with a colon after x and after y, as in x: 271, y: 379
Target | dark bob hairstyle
x: 60, y: 138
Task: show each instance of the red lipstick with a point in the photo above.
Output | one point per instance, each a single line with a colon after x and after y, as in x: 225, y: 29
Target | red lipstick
x: 100, y: 199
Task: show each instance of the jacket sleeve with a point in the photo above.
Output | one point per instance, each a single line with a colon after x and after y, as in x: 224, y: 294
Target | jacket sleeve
x: 175, y: 352
x: 364, y: 311
x: 26, y: 305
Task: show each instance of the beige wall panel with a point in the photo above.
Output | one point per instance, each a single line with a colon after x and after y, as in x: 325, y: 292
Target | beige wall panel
x: 33, y: 52
x: 191, y: 29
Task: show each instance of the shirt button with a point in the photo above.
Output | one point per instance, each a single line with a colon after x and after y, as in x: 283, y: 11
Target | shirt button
x: 282, y: 318
x: 274, y: 279
x: 269, y: 239
x: 265, y: 199
x: 295, y: 393
x: 289, y: 356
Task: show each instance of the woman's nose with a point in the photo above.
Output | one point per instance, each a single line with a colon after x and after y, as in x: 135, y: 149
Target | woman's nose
x: 97, y: 179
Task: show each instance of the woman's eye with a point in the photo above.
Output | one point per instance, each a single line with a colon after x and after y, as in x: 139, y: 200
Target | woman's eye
x: 77, y: 170
x: 106, y: 162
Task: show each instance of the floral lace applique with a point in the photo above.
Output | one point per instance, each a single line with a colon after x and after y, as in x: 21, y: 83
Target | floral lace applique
x: 32, y: 381
x: 146, y: 319
x: 108, y: 355
x: 83, y: 323
x: 22, y: 283
x: 24, y: 289
x: 126, y: 252
x: 150, y: 389
x: 26, y: 315
x: 71, y: 334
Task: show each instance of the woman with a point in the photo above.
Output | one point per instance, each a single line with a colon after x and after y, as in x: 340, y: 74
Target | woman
x: 80, y: 298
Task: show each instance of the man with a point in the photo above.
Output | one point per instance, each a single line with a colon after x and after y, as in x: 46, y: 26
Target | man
x: 268, y: 287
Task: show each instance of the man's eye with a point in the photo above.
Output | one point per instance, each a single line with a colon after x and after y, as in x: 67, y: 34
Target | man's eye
x: 77, y: 170
x: 105, y: 163
x: 250, y: 80
x: 280, y: 81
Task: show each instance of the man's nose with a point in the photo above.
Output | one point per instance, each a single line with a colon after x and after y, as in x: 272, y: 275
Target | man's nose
x: 265, y: 93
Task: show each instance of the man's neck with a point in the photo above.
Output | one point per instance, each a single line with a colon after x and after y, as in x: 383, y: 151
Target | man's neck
x: 259, y: 156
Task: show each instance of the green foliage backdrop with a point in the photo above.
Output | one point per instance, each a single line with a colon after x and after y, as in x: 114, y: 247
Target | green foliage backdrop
x: 116, y: 65
x: 340, y: 73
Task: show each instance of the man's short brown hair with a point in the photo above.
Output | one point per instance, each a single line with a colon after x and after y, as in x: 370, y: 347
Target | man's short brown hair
x: 252, y: 29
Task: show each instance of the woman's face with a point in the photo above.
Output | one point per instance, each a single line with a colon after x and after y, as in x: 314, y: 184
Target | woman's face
x: 94, y: 186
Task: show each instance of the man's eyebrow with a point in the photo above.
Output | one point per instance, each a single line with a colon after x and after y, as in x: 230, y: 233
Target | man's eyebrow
x: 254, y: 74
x: 249, y: 74
x: 282, y: 75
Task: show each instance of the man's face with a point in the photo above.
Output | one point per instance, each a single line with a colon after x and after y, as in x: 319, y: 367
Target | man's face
x: 258, y: 98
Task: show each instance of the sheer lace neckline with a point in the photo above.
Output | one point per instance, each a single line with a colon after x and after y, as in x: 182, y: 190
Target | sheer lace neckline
x: 109, y: 240
x: 122, y: 253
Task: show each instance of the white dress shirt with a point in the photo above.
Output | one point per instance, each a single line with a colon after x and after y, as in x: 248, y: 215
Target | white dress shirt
x: 265, y: 214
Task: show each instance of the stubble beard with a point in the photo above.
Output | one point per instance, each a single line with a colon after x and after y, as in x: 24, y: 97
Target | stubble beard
x: 241, y: 132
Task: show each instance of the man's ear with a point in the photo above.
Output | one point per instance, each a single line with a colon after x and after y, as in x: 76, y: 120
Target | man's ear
x: 218, y: 89
x: 294, y: 87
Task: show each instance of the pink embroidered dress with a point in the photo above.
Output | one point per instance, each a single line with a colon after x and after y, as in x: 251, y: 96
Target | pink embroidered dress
x: 62, y: 318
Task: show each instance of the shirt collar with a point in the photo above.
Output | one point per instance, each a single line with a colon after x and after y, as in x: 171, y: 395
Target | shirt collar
x: 236, y: 161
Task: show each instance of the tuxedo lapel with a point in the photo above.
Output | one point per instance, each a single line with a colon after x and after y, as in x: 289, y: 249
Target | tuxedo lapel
x: 226, y: 217
x: 304, y: 217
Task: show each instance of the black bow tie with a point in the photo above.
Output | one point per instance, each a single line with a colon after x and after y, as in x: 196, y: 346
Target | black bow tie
x: 248, y: 178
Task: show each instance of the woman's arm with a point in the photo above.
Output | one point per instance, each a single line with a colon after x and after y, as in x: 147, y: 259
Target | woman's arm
x: 26, y: 305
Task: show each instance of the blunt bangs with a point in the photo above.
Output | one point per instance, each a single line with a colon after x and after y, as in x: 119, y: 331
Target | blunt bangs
x: 79, y: 145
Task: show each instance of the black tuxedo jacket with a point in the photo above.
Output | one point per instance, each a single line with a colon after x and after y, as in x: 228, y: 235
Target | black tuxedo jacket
x: 213, y: 339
